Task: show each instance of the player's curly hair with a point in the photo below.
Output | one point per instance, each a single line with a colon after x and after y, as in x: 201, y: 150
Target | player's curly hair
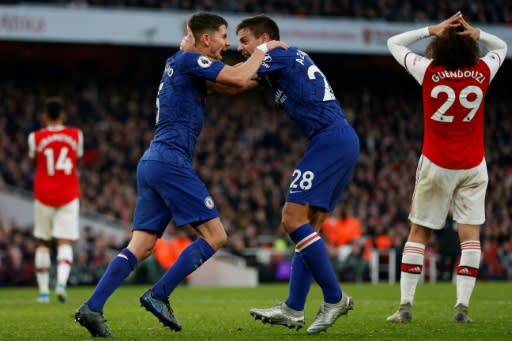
x: 452, y: 50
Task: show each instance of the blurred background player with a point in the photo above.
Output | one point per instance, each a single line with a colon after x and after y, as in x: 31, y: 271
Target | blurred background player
x: 167, y: 185
x: 452, y: 169
x: 56, y: 149
x: 304, y: 93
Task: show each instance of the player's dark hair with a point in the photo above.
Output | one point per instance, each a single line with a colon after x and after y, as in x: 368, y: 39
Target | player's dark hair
x: 260, y: 24
x: 453, y: 50
x: 53, y: 107
x: 202, y: 22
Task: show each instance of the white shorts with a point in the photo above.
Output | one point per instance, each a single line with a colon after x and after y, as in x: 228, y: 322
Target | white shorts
x: 439, y: 188
x: 56, y: 222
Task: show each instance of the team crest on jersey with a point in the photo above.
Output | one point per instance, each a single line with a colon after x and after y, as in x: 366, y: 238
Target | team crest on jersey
x: 204, y: 62
x: 208, y: 202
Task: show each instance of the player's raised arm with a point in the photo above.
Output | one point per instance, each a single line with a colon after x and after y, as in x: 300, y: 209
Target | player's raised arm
x: 188, y: 42
x: 439, y: 30
x: 397, y: 44
x: 497, y: 48
x: 241, y: 75
x: 416, y: 64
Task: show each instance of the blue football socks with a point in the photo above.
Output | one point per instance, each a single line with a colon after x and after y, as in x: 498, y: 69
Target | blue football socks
x: 116, y: 273
x: 314, y: 253
x: 189, y: 260
x: 300, y: 282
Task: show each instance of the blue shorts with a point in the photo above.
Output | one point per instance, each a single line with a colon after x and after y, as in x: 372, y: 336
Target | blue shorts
x: 166, y: 192
x: 326, y: 168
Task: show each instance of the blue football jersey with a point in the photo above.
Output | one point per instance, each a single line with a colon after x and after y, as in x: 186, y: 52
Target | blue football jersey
x: 180, y: 107
x: 301, y: 89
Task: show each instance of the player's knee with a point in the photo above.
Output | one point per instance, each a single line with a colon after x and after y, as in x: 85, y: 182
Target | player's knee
x: 291, y: 223
x: 218, y: 240
x: 468, y: 232
x: 291, y: 219
x: 419, y: 234
x: 141, y: 251
x: 286, y: 222
x: 214, y: 233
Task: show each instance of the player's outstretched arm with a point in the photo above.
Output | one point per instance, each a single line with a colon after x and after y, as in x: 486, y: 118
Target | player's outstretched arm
x: 240, y: 76
x: 233, y: 90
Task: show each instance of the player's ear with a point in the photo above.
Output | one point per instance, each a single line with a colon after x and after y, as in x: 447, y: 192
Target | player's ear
x: 205, y: 39
x: 265, y: 37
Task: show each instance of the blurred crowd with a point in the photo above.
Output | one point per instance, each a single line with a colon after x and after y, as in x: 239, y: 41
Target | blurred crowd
x: 497, y: 11
x: 245, y: 154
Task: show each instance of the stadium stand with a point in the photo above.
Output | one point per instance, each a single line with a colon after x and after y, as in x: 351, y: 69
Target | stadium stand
x: 498, y: 11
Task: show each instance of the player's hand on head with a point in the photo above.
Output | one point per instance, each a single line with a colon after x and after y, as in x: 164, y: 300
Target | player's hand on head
x: 439, y: 29
x: 468, y: 30
x: 188, y: 41
x: 184, y: 44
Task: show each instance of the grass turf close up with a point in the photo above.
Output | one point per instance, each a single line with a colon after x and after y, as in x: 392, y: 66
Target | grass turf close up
x: 223, y: 314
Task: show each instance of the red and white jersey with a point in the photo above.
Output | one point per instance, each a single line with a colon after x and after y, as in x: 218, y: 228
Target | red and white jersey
x: 453, y: 115
x: 453, y: 101
x: 56, y: 151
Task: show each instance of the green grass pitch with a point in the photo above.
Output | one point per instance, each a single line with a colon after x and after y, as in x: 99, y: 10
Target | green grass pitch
x: 222, y: 314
